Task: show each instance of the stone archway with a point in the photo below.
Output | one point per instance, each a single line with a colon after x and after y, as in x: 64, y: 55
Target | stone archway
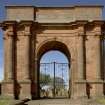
x: 53, y: 45
x: 25, y: 41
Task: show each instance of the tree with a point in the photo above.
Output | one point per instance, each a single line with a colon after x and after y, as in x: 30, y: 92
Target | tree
x: 45, y: 79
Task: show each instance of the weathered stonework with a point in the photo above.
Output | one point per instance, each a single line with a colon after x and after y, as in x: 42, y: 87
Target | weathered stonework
x: 29, y: 32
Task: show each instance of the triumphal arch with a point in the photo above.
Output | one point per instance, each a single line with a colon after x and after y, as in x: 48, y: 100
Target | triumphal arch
x: 30, y: 32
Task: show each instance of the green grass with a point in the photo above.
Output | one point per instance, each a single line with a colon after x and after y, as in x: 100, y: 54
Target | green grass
x: 5, y: 102
x: 101, y: 101
x: 8, y: 102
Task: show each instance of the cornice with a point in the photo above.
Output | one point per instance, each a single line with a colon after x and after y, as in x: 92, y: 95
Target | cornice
x: 7, y: 23
x: 54, y: 7
x: 16, y: 6
x: 81, y: 22
x: 69, y: 24
x: 99, y: 22
x: 75, y: 23
x: 26, y: 22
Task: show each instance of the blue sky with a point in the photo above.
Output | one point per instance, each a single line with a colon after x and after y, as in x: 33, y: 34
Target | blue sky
x: 55, y: 56
x: 60, y: 71
x: 3, y: 3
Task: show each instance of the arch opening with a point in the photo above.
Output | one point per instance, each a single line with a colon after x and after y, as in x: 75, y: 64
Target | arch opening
x: 53, y: 45
x: 54, y: 70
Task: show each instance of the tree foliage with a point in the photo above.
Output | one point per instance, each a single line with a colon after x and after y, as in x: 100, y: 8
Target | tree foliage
x: 46, y: 79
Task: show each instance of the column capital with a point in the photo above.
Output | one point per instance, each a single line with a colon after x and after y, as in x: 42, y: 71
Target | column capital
x: 98, y: 27
x: 27, y: 27
x: 98, y: 23
x: 9, y: 28
x: 9, y: 32
x: 8, y: 25
x: 81, y: 23
x: 26, y: 22
x: 81, y: 27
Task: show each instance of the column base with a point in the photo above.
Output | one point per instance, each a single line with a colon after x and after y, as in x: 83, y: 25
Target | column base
x: 99, y: 90
x: 25, y: 89
x: 34, y: 90
x: 96, y: 89
x: 7, y: 88
x: 81, y: 89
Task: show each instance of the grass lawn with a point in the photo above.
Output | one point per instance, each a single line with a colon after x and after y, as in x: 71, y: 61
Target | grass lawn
x: 5, y: 102
x: 101, y: 101
x: 8, y: 102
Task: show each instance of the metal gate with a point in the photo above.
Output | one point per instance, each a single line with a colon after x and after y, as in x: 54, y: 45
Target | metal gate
x: 54, y: 80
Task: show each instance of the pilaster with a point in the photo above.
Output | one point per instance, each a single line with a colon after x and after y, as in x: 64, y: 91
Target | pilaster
x: 81, y: 82
x: 93, y: 59
x: 9, y: 28
x: 25, y: 82
x: 98, y: 33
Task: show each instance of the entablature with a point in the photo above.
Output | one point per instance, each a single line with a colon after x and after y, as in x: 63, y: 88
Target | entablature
x: 35, y: 26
